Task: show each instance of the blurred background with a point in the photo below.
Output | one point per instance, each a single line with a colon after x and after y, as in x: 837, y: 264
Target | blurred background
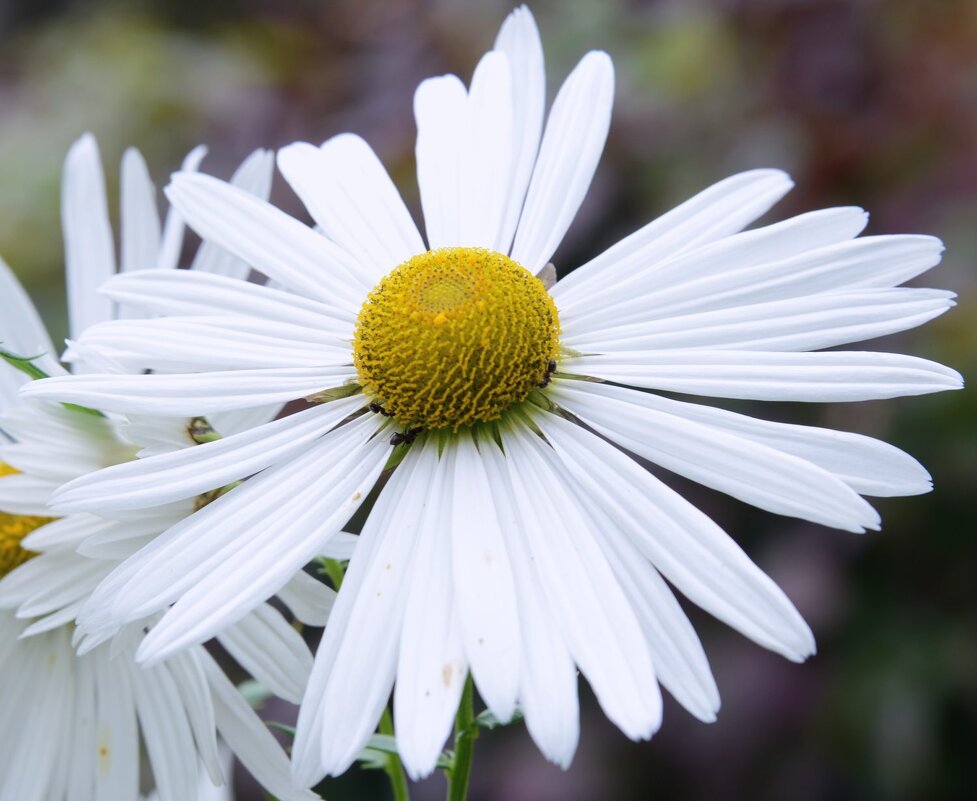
x: 867, y: 103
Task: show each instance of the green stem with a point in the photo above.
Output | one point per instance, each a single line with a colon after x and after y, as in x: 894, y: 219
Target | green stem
x: 394, y: 769
x: 466, y: 733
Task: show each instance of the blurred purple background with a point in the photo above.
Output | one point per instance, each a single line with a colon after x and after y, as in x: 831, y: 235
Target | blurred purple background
x: 867, y: 103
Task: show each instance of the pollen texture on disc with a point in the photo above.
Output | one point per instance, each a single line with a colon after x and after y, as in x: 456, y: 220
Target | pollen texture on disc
x: 454, y: 337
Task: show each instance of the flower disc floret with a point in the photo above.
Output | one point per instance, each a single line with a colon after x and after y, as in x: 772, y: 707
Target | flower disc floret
x: 454, y: 337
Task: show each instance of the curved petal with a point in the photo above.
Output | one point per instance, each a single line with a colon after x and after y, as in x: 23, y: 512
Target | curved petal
x: 758, y: 375
x: 350, y: 195
x: 691, y: 551
x: 572, y: 143
x: 717, y: 212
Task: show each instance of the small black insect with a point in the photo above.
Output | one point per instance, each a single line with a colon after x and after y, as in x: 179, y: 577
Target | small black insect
x: 376, y: 408
x: 405, y: 437
x: 550, y: 369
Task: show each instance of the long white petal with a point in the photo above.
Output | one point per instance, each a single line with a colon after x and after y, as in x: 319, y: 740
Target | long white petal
x: 117, y: 776
x: 691, y: 551
x: 89, y: 251
x: 596, y: 620
x: 195, y: 344
x: 736, y: 272
x: 185, y: 473
x: 276, y: 244
x: 308, y: 599
x: 171, y: 243
x: 189, y: 395
x: 266, y: 646
x: 185, y: 292
x: 869, y: 466
x: 138, y: 214
x: 519, y: 40
x: 744, y: 468
x: 572, y: 143
x: 487, y: 161
x: 253, y: 542
x: 253, y: 176
x: 547, y: 675
x: 679, y: 659
x: 813, y: 322
x: 188, y: 675
x: 441, y: 112
x: 350, y: 195
x: 719, y: 211
x: 249, y: 738
x: 166, y: 732
x: 758, y: 375
x: 357, y: 658
x: 142, y: 483
x: 431, y: 666
x: 483, y: 585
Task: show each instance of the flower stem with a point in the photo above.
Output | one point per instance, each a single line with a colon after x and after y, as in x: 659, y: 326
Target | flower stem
x: 394, y: 768
x: 465, y: 734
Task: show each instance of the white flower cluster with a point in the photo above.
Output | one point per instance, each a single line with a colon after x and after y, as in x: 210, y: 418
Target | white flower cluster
x: 158, y: 493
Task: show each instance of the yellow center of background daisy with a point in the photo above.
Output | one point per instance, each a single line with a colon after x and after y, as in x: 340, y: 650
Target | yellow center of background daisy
x: 454, y: 337
x: 13, y: 529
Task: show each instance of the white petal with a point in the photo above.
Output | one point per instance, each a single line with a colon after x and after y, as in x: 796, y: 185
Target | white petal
x: 189, y: 395
x: 142, y: 483
x: 679, y: 660
x: 266, y: 646
x: 519, y: 40
x: 139, y: 216
x: 350, y: 195
x: 719, y: 211
x: 173, y: 228
x: 441, y: 112
x: 757, y: 375
x: 117, y: 773
x: 249, y: 738
x: 596, y: 620
x: 253, y: 176
x: 431, y: 667
x: 21, y: 333
x: 744, y: 468
x: 308, y: 599
x: 486, y: 155
x: 731, y: 274
x: 198, y: 343
x: 691, y: 551
x: 89, y: 251
x: 25, y: 495
x: 572, y: 143
x: 166, y: 732
x: 796, y: 324
x: 268, y: 239
x: 253, y: 542
x: 184, y: 292
x: 869, y: 466
x: 547, y: 676
x: 483, y: 585
x: 188, y: 675
x: 356, y: 660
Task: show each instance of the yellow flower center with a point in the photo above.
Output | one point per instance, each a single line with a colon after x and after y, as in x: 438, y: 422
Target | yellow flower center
x: 454, y: 337
x: 13, y: 529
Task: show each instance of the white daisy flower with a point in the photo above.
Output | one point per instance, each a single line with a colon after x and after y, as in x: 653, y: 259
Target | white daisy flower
x: 513, y: 540
x: 85, y: 714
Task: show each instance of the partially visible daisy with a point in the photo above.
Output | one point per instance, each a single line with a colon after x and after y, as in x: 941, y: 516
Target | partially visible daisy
x: 513, y: 539
x: 74, y: 723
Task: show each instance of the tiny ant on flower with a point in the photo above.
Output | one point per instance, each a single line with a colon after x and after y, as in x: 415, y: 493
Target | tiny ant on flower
x: 550, y: 369
x: 406, y: 437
